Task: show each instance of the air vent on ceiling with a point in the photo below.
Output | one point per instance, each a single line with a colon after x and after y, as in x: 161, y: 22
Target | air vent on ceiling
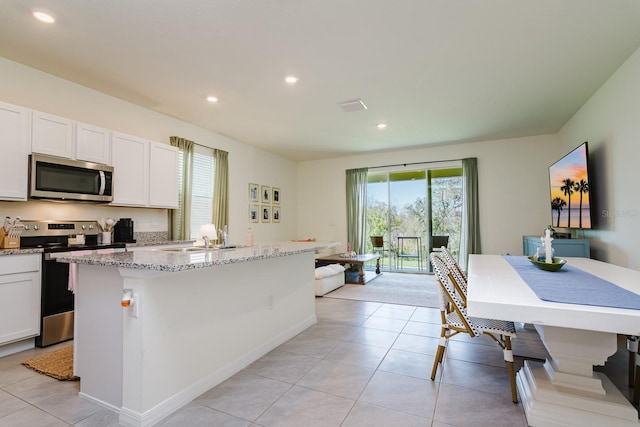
x: 352, y: 105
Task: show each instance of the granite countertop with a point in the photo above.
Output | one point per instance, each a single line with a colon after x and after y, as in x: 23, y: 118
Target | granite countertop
x: 160, y: 243
x: 172, y: 261
x: 22, y: 251
x: 19, y: 251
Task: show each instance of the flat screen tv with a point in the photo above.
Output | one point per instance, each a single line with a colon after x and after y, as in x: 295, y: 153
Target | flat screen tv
x: 570, y: 190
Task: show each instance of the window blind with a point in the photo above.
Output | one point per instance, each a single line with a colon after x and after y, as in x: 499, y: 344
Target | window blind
x: 201, y: 188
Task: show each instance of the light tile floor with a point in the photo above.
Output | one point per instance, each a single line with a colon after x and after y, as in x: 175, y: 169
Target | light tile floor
x: 362, y: 364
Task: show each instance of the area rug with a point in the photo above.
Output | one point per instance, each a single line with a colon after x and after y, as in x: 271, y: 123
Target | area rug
x: 56, y: 364
x: 393, y: 288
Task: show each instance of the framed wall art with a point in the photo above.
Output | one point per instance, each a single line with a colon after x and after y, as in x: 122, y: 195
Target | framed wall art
x: 254, y: 213
x: 266, y: 213
x: 254, y: 191
x: 265, y: 192
x: 275, y: 214
x: 276, y: 196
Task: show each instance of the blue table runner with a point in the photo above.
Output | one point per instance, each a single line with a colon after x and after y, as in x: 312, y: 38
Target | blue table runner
x: 571, y: 285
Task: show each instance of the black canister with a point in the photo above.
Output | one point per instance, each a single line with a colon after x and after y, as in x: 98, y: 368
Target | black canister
x: 123, y: 231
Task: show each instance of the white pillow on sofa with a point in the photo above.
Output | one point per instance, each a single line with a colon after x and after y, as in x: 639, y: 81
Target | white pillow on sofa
x: 328, y: 270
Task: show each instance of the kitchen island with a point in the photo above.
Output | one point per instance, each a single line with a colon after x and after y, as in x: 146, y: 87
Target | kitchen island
x: 197, y: 317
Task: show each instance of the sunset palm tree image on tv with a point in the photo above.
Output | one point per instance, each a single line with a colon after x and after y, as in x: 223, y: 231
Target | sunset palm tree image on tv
x: 570, y: 192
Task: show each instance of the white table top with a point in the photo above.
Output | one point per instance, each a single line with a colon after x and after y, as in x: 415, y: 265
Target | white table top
x: 497, y: 291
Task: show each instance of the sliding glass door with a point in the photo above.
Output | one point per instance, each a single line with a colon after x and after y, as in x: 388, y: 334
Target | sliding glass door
x: 408, y: 208
x: 446, y: 196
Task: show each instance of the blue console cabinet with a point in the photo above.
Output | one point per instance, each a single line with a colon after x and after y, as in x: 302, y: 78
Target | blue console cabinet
x: 562, y: 247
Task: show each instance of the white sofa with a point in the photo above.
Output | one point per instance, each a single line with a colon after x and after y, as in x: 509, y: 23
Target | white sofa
x: 329, y: 278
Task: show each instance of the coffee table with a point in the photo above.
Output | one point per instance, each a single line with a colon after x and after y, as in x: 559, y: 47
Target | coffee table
x: 359, y: 260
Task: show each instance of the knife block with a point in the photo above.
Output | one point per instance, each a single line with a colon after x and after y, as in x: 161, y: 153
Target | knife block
x: 7, y: 242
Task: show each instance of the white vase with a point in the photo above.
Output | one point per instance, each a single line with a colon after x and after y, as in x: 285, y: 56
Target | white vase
x: 541, y: 253
x: 106, y: 237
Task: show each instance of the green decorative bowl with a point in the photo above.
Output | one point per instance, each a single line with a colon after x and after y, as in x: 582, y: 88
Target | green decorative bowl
x: 553, y: 266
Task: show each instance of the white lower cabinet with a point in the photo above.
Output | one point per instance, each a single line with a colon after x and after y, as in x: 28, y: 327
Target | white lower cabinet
x: 19, y: 297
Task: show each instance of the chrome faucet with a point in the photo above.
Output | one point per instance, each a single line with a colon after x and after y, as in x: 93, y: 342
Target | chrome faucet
x: 207, y: 242
x: 225, y: 237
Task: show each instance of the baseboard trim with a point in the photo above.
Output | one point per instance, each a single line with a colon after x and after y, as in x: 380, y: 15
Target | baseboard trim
x: 164, y: 409
x: 99, y: 402
x: 16, y: 347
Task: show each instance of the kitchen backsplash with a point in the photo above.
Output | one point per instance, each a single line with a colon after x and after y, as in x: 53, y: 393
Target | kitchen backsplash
x: 144, y: 237
x: 145, y: 219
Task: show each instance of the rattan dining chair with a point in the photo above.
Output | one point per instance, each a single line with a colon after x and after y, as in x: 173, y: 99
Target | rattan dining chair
x: 460, y: 282
x: 452, y: 262
x: 455, y: 320
x: 435, y: 245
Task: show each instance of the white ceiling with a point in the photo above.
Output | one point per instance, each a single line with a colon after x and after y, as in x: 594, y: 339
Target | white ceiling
x: 435, y: 71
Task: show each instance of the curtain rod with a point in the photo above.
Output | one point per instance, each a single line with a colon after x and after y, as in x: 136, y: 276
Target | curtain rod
x: 194, y: 143
x: 414, y: 163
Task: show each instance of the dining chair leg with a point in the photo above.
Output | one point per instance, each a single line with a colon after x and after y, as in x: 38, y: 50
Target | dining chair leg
x: 437, y: 360
x: 508, y: 357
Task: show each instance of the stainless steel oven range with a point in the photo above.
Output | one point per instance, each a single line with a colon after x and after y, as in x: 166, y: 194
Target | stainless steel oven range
x: 57, y: 301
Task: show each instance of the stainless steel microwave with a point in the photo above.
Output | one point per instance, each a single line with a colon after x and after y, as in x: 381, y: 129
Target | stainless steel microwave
x: 58, y: 178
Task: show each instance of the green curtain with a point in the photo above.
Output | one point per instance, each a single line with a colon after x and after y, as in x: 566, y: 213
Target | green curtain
x: 179, y: 219
x: 357, y: 209
x: 220, y: 213
x: 470, y: 236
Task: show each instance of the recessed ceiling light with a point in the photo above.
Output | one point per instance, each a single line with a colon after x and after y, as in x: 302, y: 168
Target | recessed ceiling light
x: 291, y: 79
x: 212, y: 99
x: 382, y: 125
x: 43, y: 16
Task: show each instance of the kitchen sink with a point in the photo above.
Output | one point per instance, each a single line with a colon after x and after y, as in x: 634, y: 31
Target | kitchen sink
x: 184, y: 250
x: 191, y: 249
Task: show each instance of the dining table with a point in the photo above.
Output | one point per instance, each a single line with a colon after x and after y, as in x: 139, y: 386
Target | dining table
x: 578, y: 311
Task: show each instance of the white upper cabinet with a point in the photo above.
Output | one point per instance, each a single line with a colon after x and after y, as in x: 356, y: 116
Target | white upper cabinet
x: 130, y: 160
x: 93, y: 144
x: 163, y: 175
x: 145, y: 173
x: 14, y: 142
x: 58, y: 136
x: 52, y: 135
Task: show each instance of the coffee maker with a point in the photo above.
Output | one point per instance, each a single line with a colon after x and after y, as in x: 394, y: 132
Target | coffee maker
x: 123, y: 231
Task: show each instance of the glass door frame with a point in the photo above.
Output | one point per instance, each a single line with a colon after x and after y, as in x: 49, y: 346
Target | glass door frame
x: 427, y: 170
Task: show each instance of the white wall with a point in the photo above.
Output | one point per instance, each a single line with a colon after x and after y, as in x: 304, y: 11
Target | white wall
x: 513, y: 177
x: 513, y: 172
x: 513, y: 186
x: 31, y: 88
x: 610, y: 122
